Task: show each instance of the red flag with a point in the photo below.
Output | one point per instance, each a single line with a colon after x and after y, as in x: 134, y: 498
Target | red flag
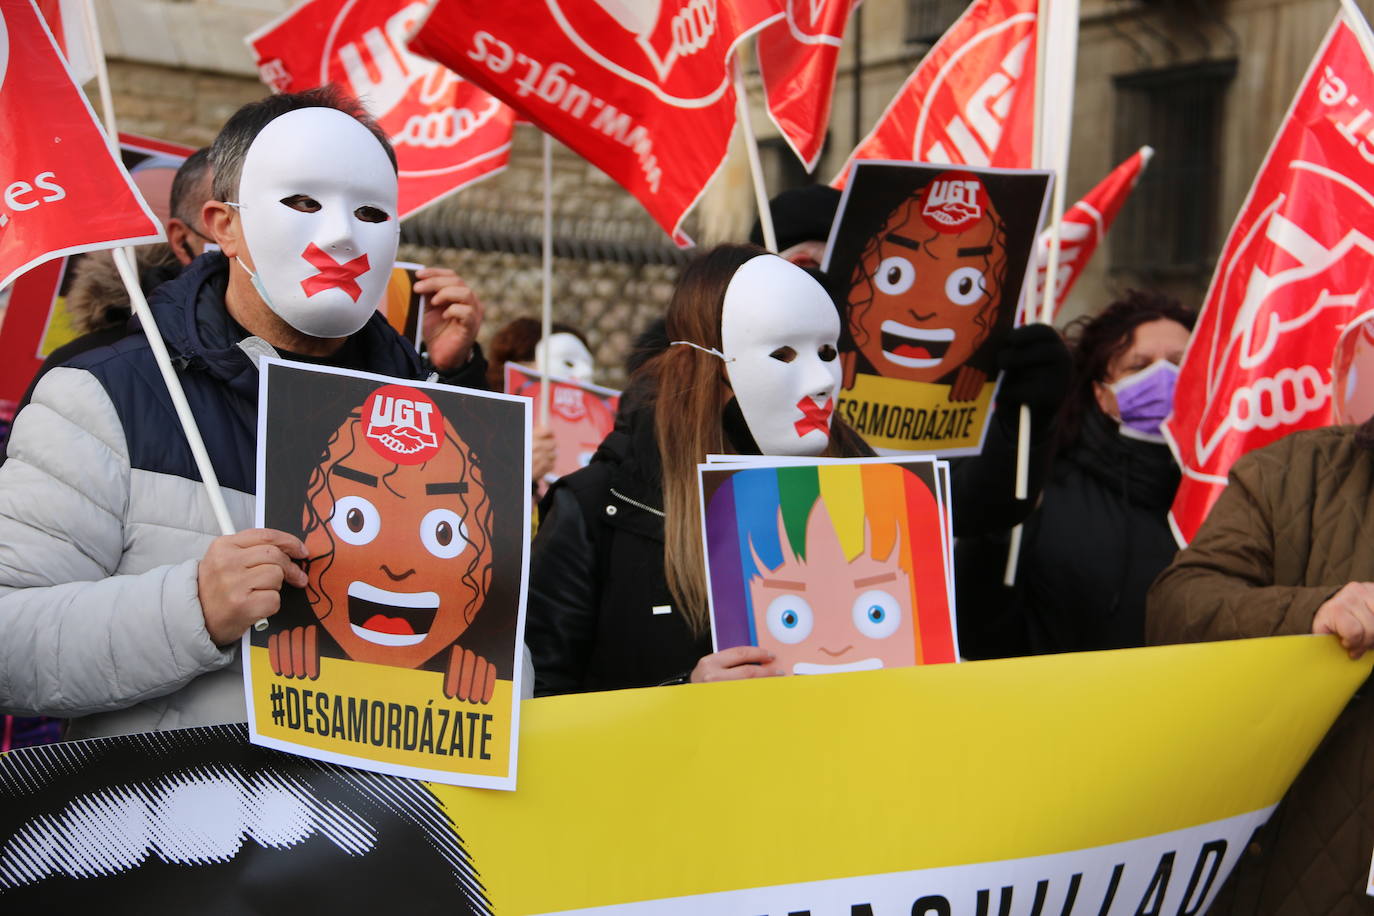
x: 447, y: 132
x: 797, y: 60
x: 642, y: 90
x: 1296, y: 268
x: 63, y: 192
x: 37, y: 321
x: 1082, y: 228
x: 971, y: 100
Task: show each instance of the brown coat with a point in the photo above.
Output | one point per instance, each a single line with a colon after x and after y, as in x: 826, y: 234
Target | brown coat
x: 1294, y: 525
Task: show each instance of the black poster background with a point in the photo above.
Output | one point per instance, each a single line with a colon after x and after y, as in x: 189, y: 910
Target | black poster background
x: 140, y: 824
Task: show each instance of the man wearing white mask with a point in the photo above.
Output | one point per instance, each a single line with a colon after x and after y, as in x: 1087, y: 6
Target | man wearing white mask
x: 120, y: 608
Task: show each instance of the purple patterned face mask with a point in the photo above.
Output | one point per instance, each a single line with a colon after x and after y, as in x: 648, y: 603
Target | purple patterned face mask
x: 1145, y: 398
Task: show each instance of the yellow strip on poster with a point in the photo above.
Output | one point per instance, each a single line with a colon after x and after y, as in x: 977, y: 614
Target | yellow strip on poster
x: 383, y: 713
x: 908, y: 416
x: 643, y: 795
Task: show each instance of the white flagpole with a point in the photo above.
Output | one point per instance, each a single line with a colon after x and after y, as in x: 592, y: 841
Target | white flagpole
x: 1057, y: 41
x: 751, y: 144
x: 546, y: 305
x: 128, y: 272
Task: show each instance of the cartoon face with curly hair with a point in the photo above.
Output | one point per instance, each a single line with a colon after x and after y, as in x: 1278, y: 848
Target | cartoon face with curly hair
x: 926, y: 290
x: 398, y: 529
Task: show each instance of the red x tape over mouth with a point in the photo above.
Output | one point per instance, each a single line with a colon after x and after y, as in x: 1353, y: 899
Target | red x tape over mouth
x: 332, y: 274
x: 814, y: 416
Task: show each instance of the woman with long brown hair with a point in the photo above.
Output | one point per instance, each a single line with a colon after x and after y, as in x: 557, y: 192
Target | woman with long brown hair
x: 617, y: 593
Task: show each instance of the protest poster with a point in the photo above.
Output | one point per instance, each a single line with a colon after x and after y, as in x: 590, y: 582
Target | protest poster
x: 929, y: 263
x: 1352, y: 372
x: 580, y: 415
x: 403, y: 652
x: 1088, y: 784
x: 1294, y: 271
x: 832, y: 566
x: 447, y: 133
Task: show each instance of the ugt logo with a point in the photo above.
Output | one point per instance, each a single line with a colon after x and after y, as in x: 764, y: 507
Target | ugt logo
x: 952, y: 202
x: 401, y: 424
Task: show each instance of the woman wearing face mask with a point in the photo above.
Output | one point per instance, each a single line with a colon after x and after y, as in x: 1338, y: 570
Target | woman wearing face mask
x: 1101, y: 534
x: 617, y: 594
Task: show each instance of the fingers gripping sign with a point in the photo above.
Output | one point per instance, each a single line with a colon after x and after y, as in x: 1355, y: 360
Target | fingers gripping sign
x: 735, y: 664
x: 240, y: 578
x: 1349, y: 615
x: 452, y: 318
x: 295, y: 652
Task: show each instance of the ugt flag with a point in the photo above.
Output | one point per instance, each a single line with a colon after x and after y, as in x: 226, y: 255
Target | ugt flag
x: 63, y: 192
x: 797, y: 59
x: 971, y: 100
x: 447, y: 132
x: 1082, y: 228
x: 1296, y: 267
x: 641, y: 90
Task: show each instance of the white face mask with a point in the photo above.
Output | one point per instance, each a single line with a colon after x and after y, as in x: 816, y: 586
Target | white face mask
x: 565, y: 357
x: 317, y: 198
x: 778, y: 333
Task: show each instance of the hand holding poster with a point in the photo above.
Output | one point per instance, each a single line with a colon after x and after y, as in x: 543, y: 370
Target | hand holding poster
x: 447, y: 132
x: 831, y: 566
x: 930, y: 262
x: 402, y: 654
x: 580, y: 415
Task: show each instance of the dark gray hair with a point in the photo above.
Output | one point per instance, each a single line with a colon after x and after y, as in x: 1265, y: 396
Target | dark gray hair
x: 186, y: 187
x: 243, y: 127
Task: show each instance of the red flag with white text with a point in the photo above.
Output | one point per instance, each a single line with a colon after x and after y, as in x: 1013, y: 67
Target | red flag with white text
x: 447, y: 132
x: 641, y: 90
x: 797, y: 58
x: 64, y: 192
x: 1082, y: 228
x: 971, y: 99
x: 1297, y: 266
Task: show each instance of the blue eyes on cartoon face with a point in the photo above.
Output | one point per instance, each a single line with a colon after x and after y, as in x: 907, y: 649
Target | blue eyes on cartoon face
x: 789, y: 618
x: 877, y: 614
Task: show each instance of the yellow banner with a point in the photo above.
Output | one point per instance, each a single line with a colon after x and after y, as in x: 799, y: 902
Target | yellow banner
x: 671, y: 794
x: 906, y: 416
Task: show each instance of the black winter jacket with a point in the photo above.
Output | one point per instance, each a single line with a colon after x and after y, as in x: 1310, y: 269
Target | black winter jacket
x: 600, y: 615
x: 1098, y: 540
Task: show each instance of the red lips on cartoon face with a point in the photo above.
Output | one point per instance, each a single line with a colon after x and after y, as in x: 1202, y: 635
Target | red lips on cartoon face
x: 332, y: 274
x: 814, y: 416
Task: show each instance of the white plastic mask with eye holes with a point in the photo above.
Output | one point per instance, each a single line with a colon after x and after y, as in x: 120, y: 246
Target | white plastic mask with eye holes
x: 778, y: 332
x: 317, y: 197
x: 564, y: 356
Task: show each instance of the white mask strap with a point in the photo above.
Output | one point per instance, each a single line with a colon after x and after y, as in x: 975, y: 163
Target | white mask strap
x: 711, y: 350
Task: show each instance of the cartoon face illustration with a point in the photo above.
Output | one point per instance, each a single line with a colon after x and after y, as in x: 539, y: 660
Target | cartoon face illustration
x: 398, y: 530
x: 820, y: 566
x: 926, y: 291
x: 821, y: 611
